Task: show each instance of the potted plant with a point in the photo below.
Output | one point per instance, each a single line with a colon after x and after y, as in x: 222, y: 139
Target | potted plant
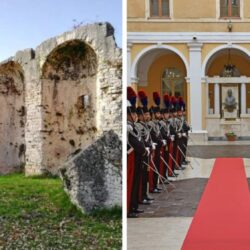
x: 231, y: 136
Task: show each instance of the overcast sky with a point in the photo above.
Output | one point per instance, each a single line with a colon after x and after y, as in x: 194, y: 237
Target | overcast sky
x: 27, y: 23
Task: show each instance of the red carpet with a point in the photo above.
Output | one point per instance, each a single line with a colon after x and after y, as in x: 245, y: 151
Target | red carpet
x: 222, y: 219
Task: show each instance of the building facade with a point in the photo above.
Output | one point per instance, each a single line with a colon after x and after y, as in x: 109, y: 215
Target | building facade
x: 199, y: 50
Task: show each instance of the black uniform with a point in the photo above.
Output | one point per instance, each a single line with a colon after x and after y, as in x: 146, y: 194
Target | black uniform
x: 185, y: 130
x: 145, y: 159
x: 165, y: 132
x: 134, y: 141
x: 156, y: 138
x: 180, y: 138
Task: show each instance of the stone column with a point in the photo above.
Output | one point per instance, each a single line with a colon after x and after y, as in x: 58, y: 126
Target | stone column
x: 243, y: 98
x: 216, y: 98
x: 207, y: 96
x: 188, y: 110
x: 129, y: 45
x: 195, y: 85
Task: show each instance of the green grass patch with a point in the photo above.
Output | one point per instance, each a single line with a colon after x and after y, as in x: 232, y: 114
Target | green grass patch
x: 35, y: 213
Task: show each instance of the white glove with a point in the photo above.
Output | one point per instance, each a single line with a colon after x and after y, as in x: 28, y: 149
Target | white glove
x: 164, y: 142
x: 172, y: 137
x: 148, y: 151
x: 154, y: 145
x: 184, y: 134
x: 179, y: 135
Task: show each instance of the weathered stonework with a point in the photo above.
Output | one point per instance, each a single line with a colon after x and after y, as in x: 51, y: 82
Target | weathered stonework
x: 93, y: 177
x: 71, y: 94
x: 12, y: 118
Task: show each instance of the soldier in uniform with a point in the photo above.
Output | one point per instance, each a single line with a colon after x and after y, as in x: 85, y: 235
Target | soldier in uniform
x: 155, y: 133
x: 180, y: 135
x: 165, y: 132
x: 144, y: 117
x: 175, y: 132
x: 167, y: 129
x: 185, y: 129
x: 135, y: 141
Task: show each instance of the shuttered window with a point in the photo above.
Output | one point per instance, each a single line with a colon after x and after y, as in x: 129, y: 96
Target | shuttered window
x: 159, y: 8
x: 229, y: 8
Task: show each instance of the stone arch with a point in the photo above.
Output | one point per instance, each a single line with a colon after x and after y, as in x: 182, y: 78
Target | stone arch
x: 212, y: 53
x: 69, y: 90
x: 13, y: 117
x: 149, y: 49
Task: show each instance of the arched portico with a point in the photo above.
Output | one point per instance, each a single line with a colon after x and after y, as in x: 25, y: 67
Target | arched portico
x: 219, y: 80
x: 149, y: 50
x: 161, y: 68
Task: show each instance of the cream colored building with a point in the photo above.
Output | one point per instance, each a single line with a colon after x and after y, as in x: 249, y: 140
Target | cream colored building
x: 198, y: 49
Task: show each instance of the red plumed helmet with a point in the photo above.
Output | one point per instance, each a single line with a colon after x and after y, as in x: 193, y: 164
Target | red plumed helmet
x: 173, y: 99
x: 166, y: 97
x: 166, y: 100
x: 180, y: 99
x: 157, y: 98
x: 131, y: 96
x: 142, y: 94
x: 143, y: 98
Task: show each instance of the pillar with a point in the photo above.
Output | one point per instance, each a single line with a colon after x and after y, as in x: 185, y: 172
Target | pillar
x: 217, y: 99
x: 207, y: 97
x: 129, y: 45
x: 195, y: 85
x: 243, y: 98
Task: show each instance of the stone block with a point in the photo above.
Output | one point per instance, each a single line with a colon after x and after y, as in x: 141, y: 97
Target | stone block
x: 93, y: 176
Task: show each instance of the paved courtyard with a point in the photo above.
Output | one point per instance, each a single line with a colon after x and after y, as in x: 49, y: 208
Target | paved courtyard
x: 164, y: 224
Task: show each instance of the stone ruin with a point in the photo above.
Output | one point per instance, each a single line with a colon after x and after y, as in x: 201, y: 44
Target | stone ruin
x: 93, y: 176
x: 59, y: 98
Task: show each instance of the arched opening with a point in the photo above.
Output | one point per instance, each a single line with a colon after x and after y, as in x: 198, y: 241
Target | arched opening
x: 217, y: 67
x: 69, y: 101
x: 12, y: 118
x: 164, y: 71
x: 228, y: 91
x: 215, y: 64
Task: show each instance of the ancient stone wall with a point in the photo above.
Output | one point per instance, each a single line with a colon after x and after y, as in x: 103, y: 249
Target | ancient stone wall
x: 72, y: 94
x: 12, y: 118
x: 68, y: 101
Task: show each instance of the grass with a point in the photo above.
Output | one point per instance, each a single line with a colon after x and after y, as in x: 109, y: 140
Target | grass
x: 35, y: 213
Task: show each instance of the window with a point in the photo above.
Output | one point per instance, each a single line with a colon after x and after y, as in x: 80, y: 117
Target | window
x: 173, y: 82
x: 159, y: 8
x: 230, y: 8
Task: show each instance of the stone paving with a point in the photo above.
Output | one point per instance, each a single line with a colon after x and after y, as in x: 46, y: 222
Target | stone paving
x: 215, y: 151
x: 179, y: 201
x: 165, y: 223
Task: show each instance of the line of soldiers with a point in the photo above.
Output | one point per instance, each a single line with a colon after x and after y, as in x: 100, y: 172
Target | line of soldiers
x: 159, y: 139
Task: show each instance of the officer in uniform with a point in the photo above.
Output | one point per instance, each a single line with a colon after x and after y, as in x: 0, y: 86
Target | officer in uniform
x: 144, y: 117
x: 157, y: 139
x: 165, y: 133
x: 175, y: 133
x: 180, y: 134
x: 135, y: 141
x: 185, y: 129
x: 167, y: 129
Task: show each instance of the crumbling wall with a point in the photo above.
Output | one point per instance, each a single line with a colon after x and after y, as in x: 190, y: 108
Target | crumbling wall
x: 68, y: 101
x: 73, y: 94
x: 12, y: 118
x: 27, y: 59
x: 97, y: 76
